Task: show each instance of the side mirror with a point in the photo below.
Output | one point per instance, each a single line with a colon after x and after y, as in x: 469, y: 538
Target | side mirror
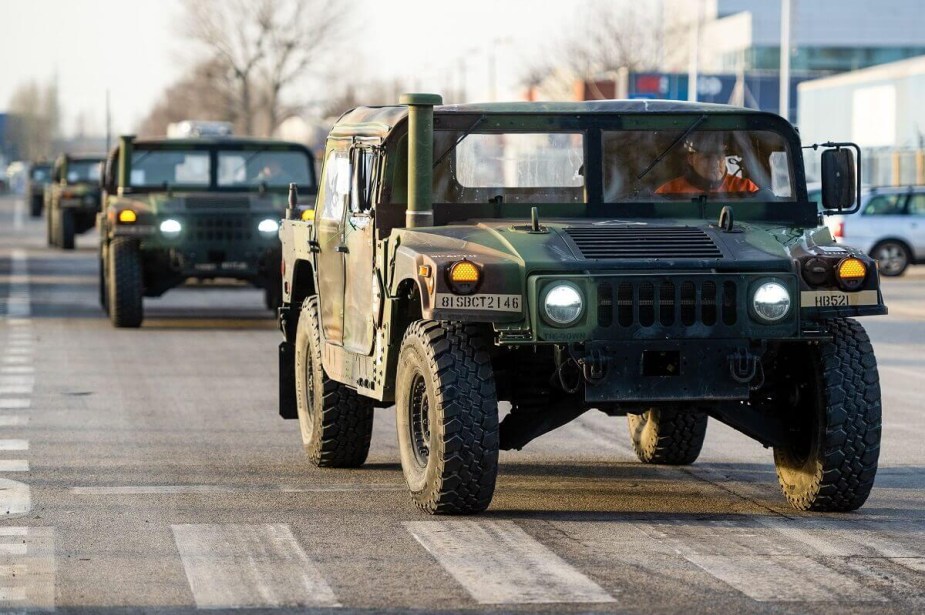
x: 839, y: 180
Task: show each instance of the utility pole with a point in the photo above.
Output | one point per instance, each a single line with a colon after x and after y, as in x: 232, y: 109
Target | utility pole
x: 693, y: 67
x: 785, y: 59
x: 108, y: 122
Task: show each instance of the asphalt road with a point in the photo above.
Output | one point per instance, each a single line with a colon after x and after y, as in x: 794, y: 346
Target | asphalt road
x: 148, y: 471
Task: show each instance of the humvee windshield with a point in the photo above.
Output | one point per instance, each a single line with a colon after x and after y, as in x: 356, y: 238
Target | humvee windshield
x: 83, y: 171
x: 40, y: 174
x: 233, y: 168
x: 635, y: 165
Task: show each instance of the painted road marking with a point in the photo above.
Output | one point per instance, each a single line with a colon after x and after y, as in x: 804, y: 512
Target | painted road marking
x: 15, y: 498
x: 17, y: 369
x: 14, y: 465
x: 249, y: 566
x: 15, y: 404
x: 14, y: 445
x: 499, y: 563
x: 13, y: 420
x: 788, y: 578
x: 181, y: 489
x: 27, y: 569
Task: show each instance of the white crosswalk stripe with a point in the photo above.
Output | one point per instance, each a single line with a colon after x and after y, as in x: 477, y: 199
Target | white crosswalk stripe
x: 249, y: 566
x: 27, y: 569
x: 499, y: 563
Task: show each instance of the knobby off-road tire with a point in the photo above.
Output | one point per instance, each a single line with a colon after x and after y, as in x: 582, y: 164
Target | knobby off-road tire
x: 125, y: 284
x: 336, y: 422
x: 447, y: 417
x: 832, y: 462
x: 35, y: 206
x: 667, y: 436
x: 104, y: 290
x: 65, y: 229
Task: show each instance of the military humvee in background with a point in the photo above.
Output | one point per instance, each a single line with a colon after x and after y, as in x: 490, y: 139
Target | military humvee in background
x: 39, y: 177
x: 179, y: 209
x: 536, y: 253
x: 72, y: 199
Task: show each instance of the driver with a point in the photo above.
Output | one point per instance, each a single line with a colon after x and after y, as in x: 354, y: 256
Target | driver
x: 705, y: 168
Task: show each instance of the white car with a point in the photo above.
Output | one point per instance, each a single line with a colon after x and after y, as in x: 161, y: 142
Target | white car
x: 890, y: 226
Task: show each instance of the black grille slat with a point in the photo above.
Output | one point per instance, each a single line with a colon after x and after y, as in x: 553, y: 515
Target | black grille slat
x: 643, y: 242
x: 667, y: 303
x: 220, y: 228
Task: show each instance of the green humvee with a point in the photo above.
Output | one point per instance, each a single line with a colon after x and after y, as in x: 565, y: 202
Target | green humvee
x: 72, y: 199
x: 548, y: 254
x: 39, y: 178
x: 179, y: 209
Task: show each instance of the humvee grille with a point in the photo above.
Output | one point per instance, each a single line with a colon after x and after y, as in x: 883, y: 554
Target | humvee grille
x: 220, y: 228
x: 666, y: 303
x: 217, y: 202
x: 596, y: 242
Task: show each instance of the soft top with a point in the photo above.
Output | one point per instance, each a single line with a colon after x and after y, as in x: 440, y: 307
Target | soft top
x: 381, y: 121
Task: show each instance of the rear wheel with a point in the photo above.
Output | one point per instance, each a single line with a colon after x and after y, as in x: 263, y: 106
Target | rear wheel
x: 831, y: 462
x: 65, y: 229
x: 336, y: 422
x: 447, y: 417
x: 125, y: 285
x: 892, y: 256
x: 104, y: 303
x: 667, y: 436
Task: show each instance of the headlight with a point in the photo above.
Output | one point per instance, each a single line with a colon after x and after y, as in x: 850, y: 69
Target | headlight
x: 268, y: 226
x: 171, y: 227
x: 771, y: 301
x: 562, y: 305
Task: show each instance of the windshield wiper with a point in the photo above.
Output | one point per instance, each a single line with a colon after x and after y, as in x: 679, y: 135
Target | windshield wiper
x: 700, y: 120
x: 468, y: 132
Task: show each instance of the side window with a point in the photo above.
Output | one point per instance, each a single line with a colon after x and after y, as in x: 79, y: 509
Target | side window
x: 336, y: 185
x: 885, y: 205
x: 363, y: 172
x: 917, y: 205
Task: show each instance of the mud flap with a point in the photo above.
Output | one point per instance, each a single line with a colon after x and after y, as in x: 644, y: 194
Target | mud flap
x: 287, y: 402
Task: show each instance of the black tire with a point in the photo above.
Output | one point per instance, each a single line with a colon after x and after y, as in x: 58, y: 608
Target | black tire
x: 65, y: 229
x: 273, y: 297
x: 667, y: 436
x: 50, y: 227
x: 125, y: 284
x: 335, y: 421
x: 832, y: 462
x: 447, y: 417
x: 893, y: 256
x: 104, y: 292
x: 35, y: 206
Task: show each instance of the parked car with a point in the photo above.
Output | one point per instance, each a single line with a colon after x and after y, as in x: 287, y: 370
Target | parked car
x: 890, y: 226
x: 39, y: 178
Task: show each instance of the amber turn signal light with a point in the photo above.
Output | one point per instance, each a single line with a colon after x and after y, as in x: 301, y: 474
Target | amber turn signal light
x: 851, y: 273
x: 308, y: 215
x: 463, y: 277
x: 127, y: 216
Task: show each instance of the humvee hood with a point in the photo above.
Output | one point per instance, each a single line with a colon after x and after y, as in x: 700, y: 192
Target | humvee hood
x: 590, y: 244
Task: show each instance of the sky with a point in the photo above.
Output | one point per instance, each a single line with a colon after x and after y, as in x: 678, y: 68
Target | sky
x: 133, y: 49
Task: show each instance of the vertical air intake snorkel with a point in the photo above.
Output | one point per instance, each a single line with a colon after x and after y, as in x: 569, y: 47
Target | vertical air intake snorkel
x: 420, y: 210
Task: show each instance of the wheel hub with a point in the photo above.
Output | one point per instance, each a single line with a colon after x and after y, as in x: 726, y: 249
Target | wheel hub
x: 420, y: 420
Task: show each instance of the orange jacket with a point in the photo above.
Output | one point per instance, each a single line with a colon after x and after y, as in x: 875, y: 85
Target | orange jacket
x: 730, y: 183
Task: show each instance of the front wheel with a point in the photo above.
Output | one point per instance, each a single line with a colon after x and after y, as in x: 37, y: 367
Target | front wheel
x: 447, y: 417
x: 35, y: 206
x: 336, y: 422
x: 125, y: 284
x: 65, y: 229
x: 667, y: 436
x: 831, y: 461
x: 893, y: 257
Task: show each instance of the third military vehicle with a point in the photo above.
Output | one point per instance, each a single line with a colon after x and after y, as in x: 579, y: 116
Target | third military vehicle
x: 72, y: 199
x: 39, y: 177
x: 198, y: 208
x: 653, y: 259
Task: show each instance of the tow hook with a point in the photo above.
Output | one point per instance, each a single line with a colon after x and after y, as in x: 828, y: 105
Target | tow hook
x: 744, y: 367
x: 594, y: 366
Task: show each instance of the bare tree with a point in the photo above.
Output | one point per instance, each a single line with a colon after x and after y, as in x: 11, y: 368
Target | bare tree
x: 609, y: 37
x: 202, y: 94
x: 264, y: 47
x: 35, y: 119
